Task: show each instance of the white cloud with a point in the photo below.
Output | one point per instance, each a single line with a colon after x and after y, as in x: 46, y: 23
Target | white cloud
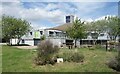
x: 10, y: 0
x: 69, y: 0
x: 38, y: 26
x: 33, y: 14
x: 103, y: 17
x: 89, y: 20
x: 86, y: 9
x: 53, y: 12
x: 11, y: 8
x: 51, y: 6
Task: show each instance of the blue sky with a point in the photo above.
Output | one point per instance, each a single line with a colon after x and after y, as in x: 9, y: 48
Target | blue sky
x: 50, y: 14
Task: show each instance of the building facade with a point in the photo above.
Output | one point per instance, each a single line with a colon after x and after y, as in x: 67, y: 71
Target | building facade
x: 57, y: 35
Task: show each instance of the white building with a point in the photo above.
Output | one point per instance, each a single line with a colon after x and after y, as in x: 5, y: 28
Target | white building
x: 56, y: 35
x: 104, y: 36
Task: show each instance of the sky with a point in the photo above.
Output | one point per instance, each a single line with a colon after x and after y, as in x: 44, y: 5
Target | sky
x: 45, y: 14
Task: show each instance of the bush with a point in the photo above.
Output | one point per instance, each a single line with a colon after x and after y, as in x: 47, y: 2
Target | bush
x: 46, y: 53
x: 66, y: 56
x: 71, y: 56
x: 114, y: 64
x: 77, y: 57
x: 91, y: 47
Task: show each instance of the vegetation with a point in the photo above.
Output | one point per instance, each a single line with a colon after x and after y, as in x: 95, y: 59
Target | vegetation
x: 114, y: 63
x: 43, y: 37
x: 76, y: 31
x: 45, y: 53
x: 15, y: 59
x: 20, y: 60
x: 71, y: 56
x: 14, y: 27
x: 109, y: 24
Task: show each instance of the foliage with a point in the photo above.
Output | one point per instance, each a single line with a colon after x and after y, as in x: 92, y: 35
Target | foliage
x: 113, y: 43
x: 114, y: 63
x: 76, y: 31
x: 110, y: 25
x: 71, y: 56
x: 43, y: 37
x: 113, y: 27
x: 14, y: 27
x: 77, y: 57
x: 46, y: 53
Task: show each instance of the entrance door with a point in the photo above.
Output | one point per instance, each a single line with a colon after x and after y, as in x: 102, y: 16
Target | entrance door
x: 36, y: 41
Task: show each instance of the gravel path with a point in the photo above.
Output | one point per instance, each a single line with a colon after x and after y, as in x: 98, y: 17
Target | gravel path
x: 26, y: 47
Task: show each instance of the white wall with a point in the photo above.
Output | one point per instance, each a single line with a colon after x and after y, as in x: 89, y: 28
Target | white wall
x: 13, y: 41
x: 104, y: 37
x: 57, y: 41
x: 29, y: 42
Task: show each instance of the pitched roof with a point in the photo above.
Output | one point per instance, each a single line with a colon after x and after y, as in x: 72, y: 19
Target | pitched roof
x: 61, y: 27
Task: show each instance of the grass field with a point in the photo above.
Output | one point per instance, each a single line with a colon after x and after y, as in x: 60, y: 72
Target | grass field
x: 21, y: 60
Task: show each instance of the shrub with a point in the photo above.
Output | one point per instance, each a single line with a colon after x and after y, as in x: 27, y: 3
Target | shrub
x: 77, y: 57
x: 114, y: 64
x: 91, y: 47
x: 71, y: 56
x: 46, y: 53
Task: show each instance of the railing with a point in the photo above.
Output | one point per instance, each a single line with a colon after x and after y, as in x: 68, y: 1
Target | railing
x: 57, y: 36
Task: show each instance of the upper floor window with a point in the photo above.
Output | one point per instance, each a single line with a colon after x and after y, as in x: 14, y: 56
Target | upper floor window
x: 41, y: 32
x: 101, y: 34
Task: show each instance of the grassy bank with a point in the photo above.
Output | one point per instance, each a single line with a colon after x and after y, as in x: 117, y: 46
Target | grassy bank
x: 21, y: 60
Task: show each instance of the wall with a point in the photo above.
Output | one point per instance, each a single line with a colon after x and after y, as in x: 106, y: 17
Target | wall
x: 57, y: 41
x: 13, y: 41
x: 29, y: 42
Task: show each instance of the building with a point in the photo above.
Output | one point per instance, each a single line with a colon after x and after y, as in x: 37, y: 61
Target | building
x: 32, y: 38
x: 70, y: 18
x: 57, y: 35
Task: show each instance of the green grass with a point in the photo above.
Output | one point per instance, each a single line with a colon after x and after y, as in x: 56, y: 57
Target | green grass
x: 21, y: 60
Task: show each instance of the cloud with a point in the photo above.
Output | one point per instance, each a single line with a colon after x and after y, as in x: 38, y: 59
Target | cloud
x: 51, y: 6
x: 52, y: 12
x: 33, y: 14
x: 63, y: 0
x: 86, y: 9
x: 103, y: 17
x: 10, y: 0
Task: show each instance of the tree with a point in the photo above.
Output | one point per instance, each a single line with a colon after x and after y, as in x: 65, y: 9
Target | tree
x: 109, y: 25
x: 43, y: 37
x: 76, y: 31
x: 113, y: 27
x: 0, y: 31
x: 14, y: 27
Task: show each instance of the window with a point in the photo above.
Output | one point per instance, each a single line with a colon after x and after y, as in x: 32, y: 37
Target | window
x: 23, y: 41
x: 30, y: 33
x: 41, y: 32
x: 67, y: 19
x: 101, y: 34
x: 51, y: 33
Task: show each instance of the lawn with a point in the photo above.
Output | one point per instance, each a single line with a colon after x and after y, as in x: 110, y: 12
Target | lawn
x: 21, y: 60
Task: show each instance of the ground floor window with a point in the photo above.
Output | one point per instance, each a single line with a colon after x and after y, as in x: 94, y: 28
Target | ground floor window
x: 23, y: 41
